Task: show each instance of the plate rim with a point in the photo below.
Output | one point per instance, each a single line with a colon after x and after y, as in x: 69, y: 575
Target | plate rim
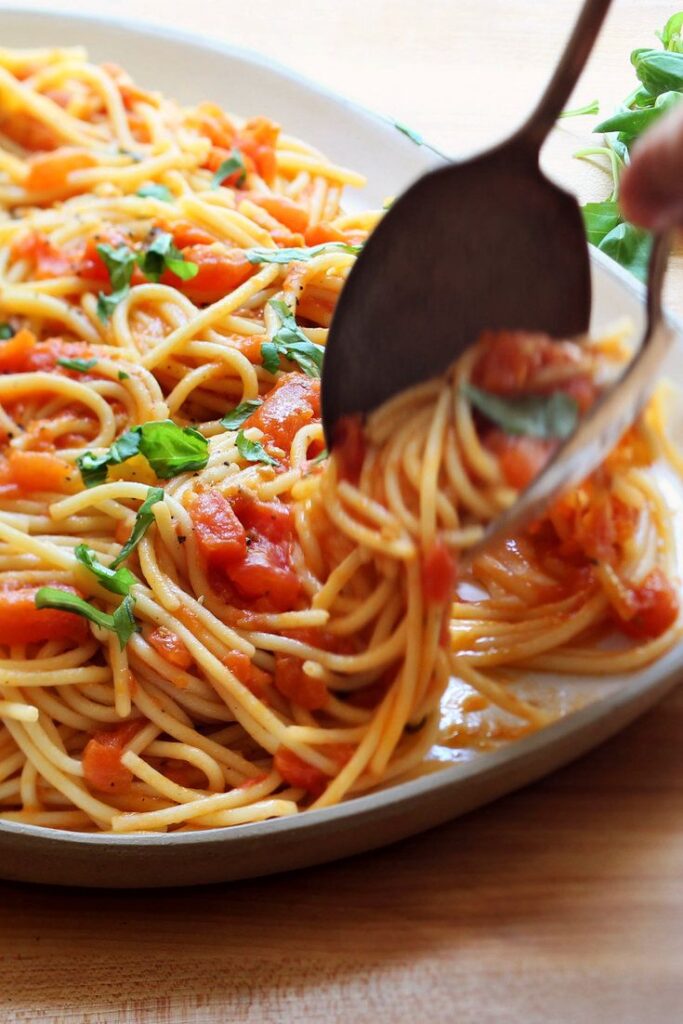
x: 401, y: 793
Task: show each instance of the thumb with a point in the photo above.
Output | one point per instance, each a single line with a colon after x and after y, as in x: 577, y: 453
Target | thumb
x: 651, y: 189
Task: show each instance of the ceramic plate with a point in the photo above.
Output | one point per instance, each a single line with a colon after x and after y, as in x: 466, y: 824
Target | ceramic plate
x: 593, y: 708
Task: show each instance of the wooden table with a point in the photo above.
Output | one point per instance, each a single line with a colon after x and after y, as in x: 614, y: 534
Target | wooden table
x: 560, y: 904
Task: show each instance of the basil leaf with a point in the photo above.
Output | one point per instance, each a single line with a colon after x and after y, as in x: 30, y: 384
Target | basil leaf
x: 659, y: 70
x: 161, y: 254
x: 143, y: 521
x: 120, y: 263
x: 270, y: 358
x: 6, y: 332
x: 300, y: 254
x: 633, y: 122
x: 629, y: 246
x: 122, y: 622
x: 122, y: 375
x: 320, y: 457
x: 240, y: 414
x: 233, y: 163
x: 171, y: 450
x: 155, y: 191
x: 599, y: 219
x: 106, y: 304
x: 77, y: 365
x: 290, y: 342
x: 119, y: 581
x: 252, y: 451
x: 93, y: 467
x: 409, y: 132
x: 671, y: 33
x: 590, y: 108
x: 546, y: 416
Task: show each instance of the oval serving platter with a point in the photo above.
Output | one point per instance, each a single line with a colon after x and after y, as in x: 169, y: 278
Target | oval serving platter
x: 249, y: 85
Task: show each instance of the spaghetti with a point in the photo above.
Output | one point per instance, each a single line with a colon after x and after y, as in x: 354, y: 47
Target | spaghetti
x: 204, y: 619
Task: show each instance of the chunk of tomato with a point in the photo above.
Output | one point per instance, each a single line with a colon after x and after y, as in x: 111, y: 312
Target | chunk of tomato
x: 266, y: 572
x: 657, y: 606
x: 439, y: 574
x: 521, y: 458
x: 293, y: 403
x: 221, y: 271
x: 220, y: 535
x: 22, y: 623
x: 296, y: 772
x: 102, y: 766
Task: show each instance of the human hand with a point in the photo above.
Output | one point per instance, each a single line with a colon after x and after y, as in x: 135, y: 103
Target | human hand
x: 651, y: 191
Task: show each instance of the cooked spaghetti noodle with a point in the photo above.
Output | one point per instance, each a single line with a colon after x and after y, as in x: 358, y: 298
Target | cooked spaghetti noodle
x: 204, y: 620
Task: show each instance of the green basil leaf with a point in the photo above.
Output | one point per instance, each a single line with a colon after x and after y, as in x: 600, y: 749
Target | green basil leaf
x: 659, y: 70
x: 599, y: 219
x: 551, y: 416
x: 241, y: 413
x: 122, y: 375
x: 77, y: 365
x: 106, y: 304
x: 590, y: 108
x: 633, y: 122
x: 252, y: 451
x: 299, y: 254
x: 229, y: 166
x: 671, y: 33
x: 629, y: 246
x: 6, y: 332
x: 320, y: 457
x: 155, y: 191
x: 409, y: 133
x: 143, y: 521
x: 93, y: 467
x: 291, y: 342
x: 122, y: 622
x: 172, y: 450
x: 270, y: 358
x: 118, y: 581
x: 120, y: 263
x: 161, y: 254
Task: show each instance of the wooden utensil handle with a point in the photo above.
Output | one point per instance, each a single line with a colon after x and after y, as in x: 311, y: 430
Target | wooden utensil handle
x: 566, y: 75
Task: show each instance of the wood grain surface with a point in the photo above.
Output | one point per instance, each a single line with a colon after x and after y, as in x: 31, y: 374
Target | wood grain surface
x: 560, y: 904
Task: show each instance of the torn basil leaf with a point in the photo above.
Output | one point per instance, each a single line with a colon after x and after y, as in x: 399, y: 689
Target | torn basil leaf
x: 155, y: 191
x: 77, y: 365
x: 291, y: 342
x: 300, y: 254
x: 252, y: 451
x: 241, y: 413
x: 118, y: 581
x: 552, y: 416
x: 122, y: 622
x: 160, y: 255
x: 169, y: 449
x: 230, y: 166
x: 6, y: 332
x: 143, y: 521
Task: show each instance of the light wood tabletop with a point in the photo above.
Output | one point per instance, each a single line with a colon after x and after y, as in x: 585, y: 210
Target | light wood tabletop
x: 560, y: 904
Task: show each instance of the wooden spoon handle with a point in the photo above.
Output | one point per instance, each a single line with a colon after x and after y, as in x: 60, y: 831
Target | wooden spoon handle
x: 565, y: 77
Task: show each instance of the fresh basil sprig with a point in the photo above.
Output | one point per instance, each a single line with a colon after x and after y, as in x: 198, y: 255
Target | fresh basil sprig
x: 160, y: 255
x: 299, y: 254
x: 252, y: 451
x: 241, y: 413
x: 168, y: 448
x: 291, y: 342
x: 118, y: 581
x: 122, y: 621
x: 143, y: 521
x: 552, y: 416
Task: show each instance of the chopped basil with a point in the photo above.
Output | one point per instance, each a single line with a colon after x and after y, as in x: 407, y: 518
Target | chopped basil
x: 299, y: 253
x: 143, y: 521
x: 240, y: 414
x: 106, y: 304
x: 160, y: 255
x: 233, y: 163
x: 122, y: 375
x: 169, y: 449
x: 545, y: 416
x: 119, y: 581
x: 155, y: 191
x: 120, y: 263
x: 122, y: 622
x: 252, y: 451
x: 77, y: 365
x: 291, y: 342
x: 6, y: 332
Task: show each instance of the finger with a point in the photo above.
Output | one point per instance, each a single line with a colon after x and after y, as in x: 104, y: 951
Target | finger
x: 651, y: 190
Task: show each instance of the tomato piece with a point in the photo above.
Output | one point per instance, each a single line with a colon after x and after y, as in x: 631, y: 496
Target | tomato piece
x: 349, y: 447
x: 266, y: 572
x: 40, y: 471
x: 253, y: 677
x: 272, y: 519
x: 16, y: 351
x: 511, y: 360
x: 28, y: 131
x: 521, y: 458
x: 47, y: 259
x: 221, y: 270
x: 171, y: 648
x: 439, y: 574
x: 220, y: 535
x: 186, y: 233
x: 296, y: 772
x: 293, y: 403
x: 214, y: 124
x: 49, y: 172
x: 257, y: 140
x: 318, y: 234
x: 22, y: 623
x: 102, y: 766
x: 301, y: 689
x: 293, y: 215
x: 657, y: 605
